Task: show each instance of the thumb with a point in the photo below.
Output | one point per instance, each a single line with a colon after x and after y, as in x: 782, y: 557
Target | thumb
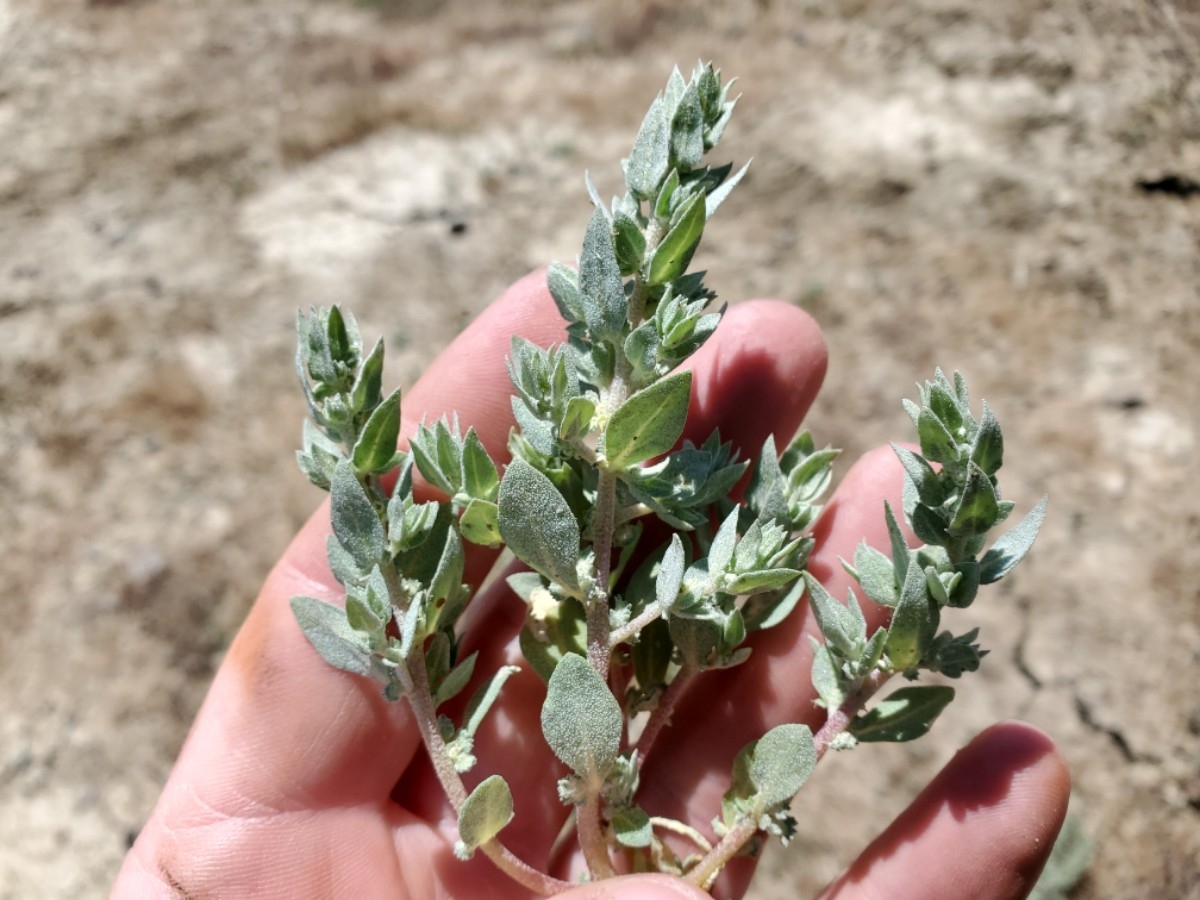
x: 637, y: 887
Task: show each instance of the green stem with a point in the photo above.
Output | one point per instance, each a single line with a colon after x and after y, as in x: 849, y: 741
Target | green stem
x: 633, y: 627
x: 687, y: 831
x: 707, y: 870
x: 591, y: 839
x: 839, y: 720
x: 662, y: 713
x: 602, y: 545
x: 836, y: 723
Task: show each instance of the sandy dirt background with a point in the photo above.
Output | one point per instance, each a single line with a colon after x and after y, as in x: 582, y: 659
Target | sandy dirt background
x: 1006, y: 188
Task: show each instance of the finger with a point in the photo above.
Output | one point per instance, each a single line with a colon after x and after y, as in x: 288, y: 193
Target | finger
x: 637, y: 887
x: 757, y: 375
x: 690, y: 766
x: 982, y: 828
x: 279, y: 726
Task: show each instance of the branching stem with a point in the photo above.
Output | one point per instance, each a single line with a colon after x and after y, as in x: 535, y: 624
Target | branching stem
x: 415, y: 681
x: 662, y: 713
x: 602, y: 545
x: 633, y: 627
x: 591, y: 839
x: 837, y: 722
x: 707, y: 870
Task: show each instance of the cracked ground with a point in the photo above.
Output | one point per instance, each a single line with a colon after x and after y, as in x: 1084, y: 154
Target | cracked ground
x: 1008, y: 189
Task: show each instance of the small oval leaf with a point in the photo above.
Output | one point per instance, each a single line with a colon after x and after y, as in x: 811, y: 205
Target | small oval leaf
x: 375, y: 448
x: 903, y: 715
x: 648, y: 423
x: 782, y: 760
x: 581, y: 719
x: 483, y: 814
x: 354, y: 519
x: 331, y: 635
x: 671, y: 257
x: 537, y: 524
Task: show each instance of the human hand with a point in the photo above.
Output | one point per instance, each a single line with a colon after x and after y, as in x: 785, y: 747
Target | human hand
x: 301, y: 781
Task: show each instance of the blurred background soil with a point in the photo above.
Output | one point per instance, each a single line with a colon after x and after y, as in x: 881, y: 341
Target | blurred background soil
x: 1012, y: 189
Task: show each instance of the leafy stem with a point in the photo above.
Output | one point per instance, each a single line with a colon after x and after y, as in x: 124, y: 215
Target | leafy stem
x: 660, y: 716
x: 592, y: 840
x: 415, y: 680
x: 705, y: 872
x: 619, y: 618
x: 839, y: 720
x: 598, y: 643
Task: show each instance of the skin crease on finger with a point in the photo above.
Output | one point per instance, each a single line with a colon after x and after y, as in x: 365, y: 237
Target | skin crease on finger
x: 282, y: 737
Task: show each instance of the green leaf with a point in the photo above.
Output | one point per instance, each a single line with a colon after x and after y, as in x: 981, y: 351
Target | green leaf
x: 632, y: 827
x: 978, y: 508
x: 761, y: 580
x: 763, y: 611
x: 666, y: 193
x: 341, y: 563
x: 648, y: 162
x: 447, y: 577
x: 671, y: 257
x: 456, y: 679
x: 876, y: 574
x: 436, y: 455
x: 928, y: 526
x: 687, y: 130
x: 360, y: 616
x: 480, y: 523
x: 717, y: 196
x: 549, y: 634
x: 765, y: 492
x: 345, y: 344
x: 563, y: 284
x: 670, y: 574
x: 897, y: 540
x: 825, y: 676
x: 936, y: 442
x: 1010, y: 549
x: 922, y: 477
x: 943, y: 400
x: 581, y: 720
x: 724, y: 544
x: 603, y: 294
x: 648, y: 423
x: 331, y: 635
x: 652, y: 655
x: 482, y: 699
x: 375, y: 448
x: 781, y: 762
x: 987, y: 452
x: 629, y: 244
x: 483, y: 814
x: 577, y: 420
x: 843, y: 626
x: 903, y: 715
x: 355, y: 521
x: 537, y: 524
x: 368, y: 384
x: 914, y: 622
x: 479, y: 478
x: 952, y: 656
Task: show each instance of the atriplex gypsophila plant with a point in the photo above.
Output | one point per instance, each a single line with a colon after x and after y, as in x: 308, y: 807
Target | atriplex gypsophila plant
x: 619, y: 628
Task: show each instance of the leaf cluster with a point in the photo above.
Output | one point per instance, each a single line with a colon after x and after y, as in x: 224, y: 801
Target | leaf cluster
x: 645, y: 569
x: 399, y: 560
